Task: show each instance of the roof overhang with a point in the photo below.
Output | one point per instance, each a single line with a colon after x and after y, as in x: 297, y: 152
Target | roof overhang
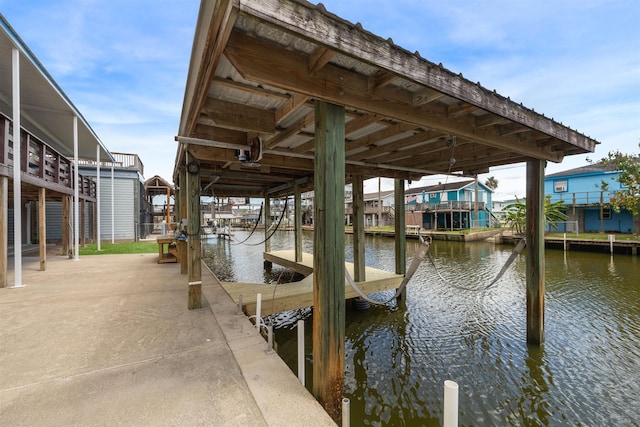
x: 46, y: 111
x: 258, y: 66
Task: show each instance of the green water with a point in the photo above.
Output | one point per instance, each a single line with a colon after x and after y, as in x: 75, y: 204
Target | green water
x: 587, y: 373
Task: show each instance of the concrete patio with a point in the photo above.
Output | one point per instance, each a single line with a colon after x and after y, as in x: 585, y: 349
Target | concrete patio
x: 108, y: 340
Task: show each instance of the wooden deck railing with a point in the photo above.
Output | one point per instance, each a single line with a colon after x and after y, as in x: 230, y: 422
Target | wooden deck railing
x: 40, y: 160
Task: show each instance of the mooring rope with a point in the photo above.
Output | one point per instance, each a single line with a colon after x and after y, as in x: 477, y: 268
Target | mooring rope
x: 423, y: 249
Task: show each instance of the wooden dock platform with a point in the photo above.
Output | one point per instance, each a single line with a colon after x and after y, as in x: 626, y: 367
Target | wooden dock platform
x: 291, y: 296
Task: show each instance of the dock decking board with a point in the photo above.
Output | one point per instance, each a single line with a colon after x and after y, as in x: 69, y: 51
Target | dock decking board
x: 291, y: 296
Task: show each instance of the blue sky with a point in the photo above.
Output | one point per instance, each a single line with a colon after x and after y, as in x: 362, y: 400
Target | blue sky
x: 124, y: 63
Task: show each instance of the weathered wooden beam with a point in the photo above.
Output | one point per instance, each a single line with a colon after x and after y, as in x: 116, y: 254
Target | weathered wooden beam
x: 193, y: 234
x: 328, y: 259
x: 380, y: 79
x: 221, y: 16
x: 240, y: 117
x: 319, y: 58
x: 401, y: 237
x: 291, y: 130
x: 42, y: 228
x: 535, y: 252
x: 358, y: 229
x: 425, y: 96
x: 261, y: 61
x: 330, y: 33
x: 290, y: 106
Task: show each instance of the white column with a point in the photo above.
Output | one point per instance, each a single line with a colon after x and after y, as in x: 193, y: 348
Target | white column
x: 113, y: 207
x: 98, y: 196
x: 76, y: 193
x: 17, y: 181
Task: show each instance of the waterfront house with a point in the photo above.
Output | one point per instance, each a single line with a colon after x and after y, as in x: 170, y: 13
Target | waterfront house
x: 37, y: 168
x: 378, y: 209
x: 450, y: 206
x: 132, y: 213
x: 582, y: 191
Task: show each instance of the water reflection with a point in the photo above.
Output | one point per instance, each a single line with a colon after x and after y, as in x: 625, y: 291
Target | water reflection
x: 398, y: 356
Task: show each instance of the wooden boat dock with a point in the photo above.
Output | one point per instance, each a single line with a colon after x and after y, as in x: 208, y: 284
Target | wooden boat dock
x: 291, y: 296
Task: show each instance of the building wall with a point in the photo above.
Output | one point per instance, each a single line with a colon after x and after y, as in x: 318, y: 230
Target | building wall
x: 586, y: 191
x: 127, y: 196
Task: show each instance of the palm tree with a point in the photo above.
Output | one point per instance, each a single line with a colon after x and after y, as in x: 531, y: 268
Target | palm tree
x: 516, y: 214
x: 491, y: 182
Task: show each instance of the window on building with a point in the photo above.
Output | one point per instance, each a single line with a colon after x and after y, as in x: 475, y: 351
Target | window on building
x: 560, y: 186
x: 606, y: 213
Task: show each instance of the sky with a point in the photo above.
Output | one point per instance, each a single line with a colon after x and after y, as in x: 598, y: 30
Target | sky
x: 124, y: 64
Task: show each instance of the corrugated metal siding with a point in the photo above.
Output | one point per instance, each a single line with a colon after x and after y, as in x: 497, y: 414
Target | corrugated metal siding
x: 54, y: 221
x: 124, y: 208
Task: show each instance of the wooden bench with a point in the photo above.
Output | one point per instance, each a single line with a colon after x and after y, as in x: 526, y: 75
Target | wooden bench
x: 171, y: 252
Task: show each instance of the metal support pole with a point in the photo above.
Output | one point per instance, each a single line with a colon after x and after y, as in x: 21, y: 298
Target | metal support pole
x: 17, y: 181
x: 76, y: 193
x: 98, y: 201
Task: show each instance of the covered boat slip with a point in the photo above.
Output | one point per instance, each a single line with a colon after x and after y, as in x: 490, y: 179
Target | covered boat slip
x: 295, y: 295
x: 284, y: 97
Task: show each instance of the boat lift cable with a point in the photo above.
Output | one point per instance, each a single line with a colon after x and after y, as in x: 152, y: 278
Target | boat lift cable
x: 421, y: 253
x: 516, y: 251
x: 423, y: 250
x: 284, y: 211
x: 254, y: 227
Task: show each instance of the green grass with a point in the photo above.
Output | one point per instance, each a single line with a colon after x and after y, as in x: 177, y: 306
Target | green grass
x: 596, y: 236
x: 120, y: 248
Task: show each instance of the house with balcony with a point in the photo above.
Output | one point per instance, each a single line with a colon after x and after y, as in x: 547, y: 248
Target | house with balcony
x: 43, y: 137
x: 587, y: 199
x: 450, y: 206
x: 378, y: 209
x: 125, y: 212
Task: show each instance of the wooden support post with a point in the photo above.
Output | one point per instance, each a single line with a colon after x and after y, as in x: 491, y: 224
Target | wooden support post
x: 535, y: 251
x: 193, y: 239
x: 96, y: 214
x: 4, y: 230
x: 401, y: 238
x: 83, y: 223
x: 182, y: 214
x: 267, y: 223
x: 328, y: 259
x: 168, y: 211
x: 42, y: 228
x: 358, y: 229
x: 297, y: 213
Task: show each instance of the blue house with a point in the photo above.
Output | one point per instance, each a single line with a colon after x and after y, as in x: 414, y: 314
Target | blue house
x: 587, y: 199
x: 449, y: 206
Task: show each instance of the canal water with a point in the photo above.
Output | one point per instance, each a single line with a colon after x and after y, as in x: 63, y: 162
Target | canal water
x: 587, y: 372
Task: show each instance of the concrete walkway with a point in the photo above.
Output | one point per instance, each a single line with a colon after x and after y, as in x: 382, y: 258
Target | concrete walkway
x: 108, y: 340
